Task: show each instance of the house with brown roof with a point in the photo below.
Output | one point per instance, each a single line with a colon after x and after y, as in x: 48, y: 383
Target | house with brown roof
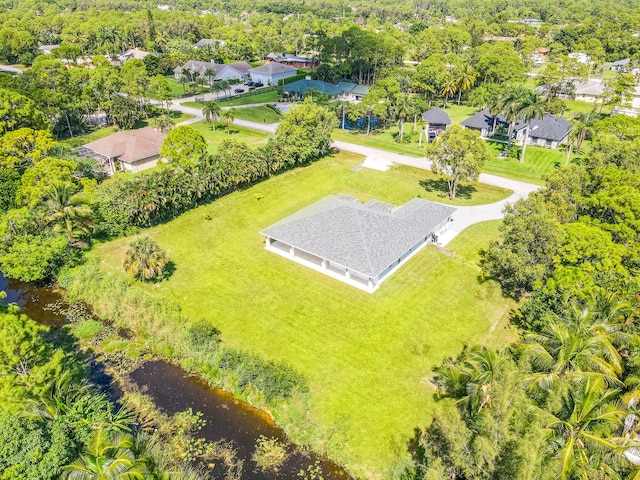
x: 128, y: 150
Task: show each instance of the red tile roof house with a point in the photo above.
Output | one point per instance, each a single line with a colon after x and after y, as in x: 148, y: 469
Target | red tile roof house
x: 128, y: 150
x: 293, y: 60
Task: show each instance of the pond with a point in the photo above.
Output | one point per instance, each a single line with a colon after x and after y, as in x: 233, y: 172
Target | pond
x: 173, y: 390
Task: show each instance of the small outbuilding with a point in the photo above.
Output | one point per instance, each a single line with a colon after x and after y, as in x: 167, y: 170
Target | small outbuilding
x: 620, y: 65
x: 437, y: 120
x: 358, y: 244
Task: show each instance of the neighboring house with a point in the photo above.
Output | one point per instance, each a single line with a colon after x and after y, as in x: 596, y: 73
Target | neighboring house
x: 620, y: 65
x: 210, y: 41
x: 47, y: 49
x: 129, y: 150
x: 540, y: 55
x: 132, y: 53
x: 292, y: 60
x: 550, y: 131
x: 483, y: 122
x: 352, y: 92
x: 581, y: 57
x: 345, y: 91
x: 271, y: 73
x: 358, y: 244
x: 221, y: 71
x: 437, y: 121
x: 590, y: 91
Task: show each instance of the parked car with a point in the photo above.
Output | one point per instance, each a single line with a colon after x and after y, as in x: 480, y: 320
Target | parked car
x: 249, y: 84
x: 258, y: 84
x: 238, y: 90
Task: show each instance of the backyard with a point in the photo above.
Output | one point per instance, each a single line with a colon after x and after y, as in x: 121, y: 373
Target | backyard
x: 368, y: 358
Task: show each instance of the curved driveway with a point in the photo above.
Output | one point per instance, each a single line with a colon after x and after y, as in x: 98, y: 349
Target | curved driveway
x: 463, y: 216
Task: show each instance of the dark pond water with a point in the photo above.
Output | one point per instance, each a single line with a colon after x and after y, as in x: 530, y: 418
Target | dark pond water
x: 174, y: 391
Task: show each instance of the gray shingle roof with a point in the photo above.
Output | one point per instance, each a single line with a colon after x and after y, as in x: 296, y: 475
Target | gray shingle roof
x: 354, y: 88
x: 483, y: 119
x: 273, y: 68
x: 436, y: 116
x: 550, y: 127
x: 364, y: 238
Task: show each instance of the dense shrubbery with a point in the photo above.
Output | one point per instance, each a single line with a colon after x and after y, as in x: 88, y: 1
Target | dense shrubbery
x: 275, y: 380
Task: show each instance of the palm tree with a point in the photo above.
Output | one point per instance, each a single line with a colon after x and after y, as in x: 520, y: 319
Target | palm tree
x: 145, y: 259
x: 67, y: 214
x: 531, y: 107
x: 510, y: 103
x: 183, y: 80
x: 225, y: 85
x: 400, y: 109
x: 107, y: 458
x: 209, y: 72
x: 465, y: 79
x: 421, y: 126
x: 164, y: 123
x: 575, y: 347
x: 583, y: 429
x: 448, y: 90
x: 211, y: 111
x: 228, y: 117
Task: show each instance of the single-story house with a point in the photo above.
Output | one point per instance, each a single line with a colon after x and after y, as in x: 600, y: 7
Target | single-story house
x: 129, y: 150
x: 620, y: 65
x: 540, y: 55
x: 345, y: 91
x: 359, y: 244
x: 352, y: 92
x: 132, y: 53
x: 437, y: 121
x: 590, y: 91
x: 299, y: 88
x: 271, y: 73
x: 220, y: 71
x: 549, y: 131
x: 292, y: 60
x: 209, y: 42
x: 580, y: 57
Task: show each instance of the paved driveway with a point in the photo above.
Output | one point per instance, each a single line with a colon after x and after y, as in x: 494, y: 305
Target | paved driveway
x: 463, y: 216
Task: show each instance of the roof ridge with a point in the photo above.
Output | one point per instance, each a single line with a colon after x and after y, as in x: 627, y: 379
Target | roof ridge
x: 364, y: 241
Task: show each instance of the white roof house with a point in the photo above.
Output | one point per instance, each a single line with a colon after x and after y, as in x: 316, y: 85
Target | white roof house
x: 220, y: 71
x: 272, y: 72
x: 358, y: 244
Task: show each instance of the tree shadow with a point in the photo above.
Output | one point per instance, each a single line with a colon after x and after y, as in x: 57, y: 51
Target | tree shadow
x: 441, y: 187
x: 169, y: 269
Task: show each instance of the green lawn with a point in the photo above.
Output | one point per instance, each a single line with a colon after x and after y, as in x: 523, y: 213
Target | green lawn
x: 266, y: 97
x: 258, y: 114
x: 384, y: 140
x: 367, y: 357
x: 459, y: 113
x: 251, y: 137
x: 538, y: 163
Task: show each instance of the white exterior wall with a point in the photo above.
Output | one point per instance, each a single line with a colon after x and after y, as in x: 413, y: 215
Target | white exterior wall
x: 229, y: 73
x: 270, y: 79
x: 140, y: 165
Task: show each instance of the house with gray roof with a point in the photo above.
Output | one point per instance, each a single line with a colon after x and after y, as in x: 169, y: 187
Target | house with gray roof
x: 219, y: 71
x: 437, y: 120
x: 620, y: 65
x: 209, y: 42
x: 359, y: 244
x: 271, y: 73
x: 292, y: 60
x: 549, y: 131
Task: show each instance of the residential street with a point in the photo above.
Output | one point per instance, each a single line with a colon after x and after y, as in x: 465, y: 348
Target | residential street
x: 462, y: 218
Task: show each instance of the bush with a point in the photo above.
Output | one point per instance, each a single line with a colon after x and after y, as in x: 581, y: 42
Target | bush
x: 202, y: 336
x: 275, y: 380
x: 145, y: 259
x: 270, y: 454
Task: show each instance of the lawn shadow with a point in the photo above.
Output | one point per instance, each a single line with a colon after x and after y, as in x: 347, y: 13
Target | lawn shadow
x: 440, y: 185
x: 169, y: 269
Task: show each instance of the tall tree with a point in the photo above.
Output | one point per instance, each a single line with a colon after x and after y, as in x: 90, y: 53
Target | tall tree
x: 458, y: 154
x: 212, y: 112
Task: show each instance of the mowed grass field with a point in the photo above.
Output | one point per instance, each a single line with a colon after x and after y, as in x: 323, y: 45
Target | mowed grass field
x: 368, y: 358
x: 253, y: 138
